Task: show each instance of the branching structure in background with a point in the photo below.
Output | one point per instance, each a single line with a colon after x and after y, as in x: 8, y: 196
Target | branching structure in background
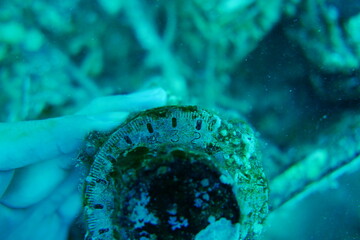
x: 328, y: 34
x: 55, y: 57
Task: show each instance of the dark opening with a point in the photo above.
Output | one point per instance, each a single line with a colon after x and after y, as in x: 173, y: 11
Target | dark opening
x: 127, y: 139
x: 173, y: 122
x: 198, y: 124
x: 182, y: 194
x: 149, y: 128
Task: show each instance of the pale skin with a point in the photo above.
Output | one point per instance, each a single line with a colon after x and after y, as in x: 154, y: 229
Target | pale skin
x: 39, y: 182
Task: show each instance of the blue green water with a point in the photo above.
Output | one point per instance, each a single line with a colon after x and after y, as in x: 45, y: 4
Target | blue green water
x: 288, y: 68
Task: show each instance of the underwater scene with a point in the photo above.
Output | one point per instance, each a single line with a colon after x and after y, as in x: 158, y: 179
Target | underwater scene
x: 180, y: 120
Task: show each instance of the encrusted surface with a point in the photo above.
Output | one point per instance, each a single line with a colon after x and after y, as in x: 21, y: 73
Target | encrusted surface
x: 181, y: 158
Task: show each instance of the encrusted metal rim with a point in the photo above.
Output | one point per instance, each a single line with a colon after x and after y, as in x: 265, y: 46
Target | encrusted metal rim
x: 233, y: 145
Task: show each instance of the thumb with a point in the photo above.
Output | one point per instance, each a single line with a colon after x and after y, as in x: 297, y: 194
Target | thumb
x: 24, y: 143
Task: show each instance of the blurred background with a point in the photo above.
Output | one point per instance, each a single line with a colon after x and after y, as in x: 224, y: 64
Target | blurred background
x: 291, y: 68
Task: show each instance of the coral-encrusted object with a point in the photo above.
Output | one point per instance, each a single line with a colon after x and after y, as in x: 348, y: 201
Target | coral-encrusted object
x: 174, y: 173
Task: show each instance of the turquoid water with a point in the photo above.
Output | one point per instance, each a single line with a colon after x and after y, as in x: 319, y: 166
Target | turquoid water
x: 180, y: 120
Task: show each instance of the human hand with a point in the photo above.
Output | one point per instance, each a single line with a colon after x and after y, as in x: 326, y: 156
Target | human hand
x: 39, y: 196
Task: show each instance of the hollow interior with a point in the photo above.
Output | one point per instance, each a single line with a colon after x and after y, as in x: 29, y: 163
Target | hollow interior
x: 173, y: 199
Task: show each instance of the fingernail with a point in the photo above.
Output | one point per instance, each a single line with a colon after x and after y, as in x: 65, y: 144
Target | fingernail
x: 154, y: 92
x: 107, y: 121
x: 110, y: 117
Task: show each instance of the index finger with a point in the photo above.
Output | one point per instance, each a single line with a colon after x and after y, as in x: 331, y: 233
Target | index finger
x: 142, y: 100
x: 24, y: 143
